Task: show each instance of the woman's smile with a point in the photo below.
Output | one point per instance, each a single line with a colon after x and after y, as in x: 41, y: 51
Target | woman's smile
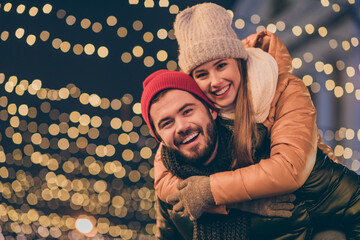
x: 222, y: 91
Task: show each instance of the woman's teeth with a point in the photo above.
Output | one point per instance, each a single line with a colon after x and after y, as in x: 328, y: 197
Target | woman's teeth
x: 222, y: 91
x: 190, y: 137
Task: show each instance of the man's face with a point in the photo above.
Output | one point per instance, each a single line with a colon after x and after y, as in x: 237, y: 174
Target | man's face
x: 185, y: 125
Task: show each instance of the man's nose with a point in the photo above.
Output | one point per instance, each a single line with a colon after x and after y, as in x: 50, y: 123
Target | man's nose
x: 182, y: 125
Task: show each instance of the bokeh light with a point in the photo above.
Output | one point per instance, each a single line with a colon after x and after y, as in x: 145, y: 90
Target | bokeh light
x: 76, y: 156
x: 84, y: 225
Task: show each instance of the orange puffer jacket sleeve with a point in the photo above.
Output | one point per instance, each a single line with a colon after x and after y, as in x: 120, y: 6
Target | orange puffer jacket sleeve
x: 165, y: 183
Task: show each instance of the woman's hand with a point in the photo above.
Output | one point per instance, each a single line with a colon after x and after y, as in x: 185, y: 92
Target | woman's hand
x: 278, y: 206
x: 193, y: 197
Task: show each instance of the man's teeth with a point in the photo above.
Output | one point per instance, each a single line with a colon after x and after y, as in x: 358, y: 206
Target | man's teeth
x: 190, y: 137
x: 222, y: 91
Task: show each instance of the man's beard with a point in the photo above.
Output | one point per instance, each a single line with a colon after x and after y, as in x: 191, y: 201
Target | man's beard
x: 198, y: 158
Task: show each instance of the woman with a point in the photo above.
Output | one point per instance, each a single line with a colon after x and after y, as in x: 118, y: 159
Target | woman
x: 250, y: 81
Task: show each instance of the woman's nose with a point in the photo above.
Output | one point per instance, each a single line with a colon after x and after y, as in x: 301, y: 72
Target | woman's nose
x: 215, y: 81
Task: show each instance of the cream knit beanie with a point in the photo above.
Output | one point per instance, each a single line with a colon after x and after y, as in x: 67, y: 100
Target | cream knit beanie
x: 204, y: 33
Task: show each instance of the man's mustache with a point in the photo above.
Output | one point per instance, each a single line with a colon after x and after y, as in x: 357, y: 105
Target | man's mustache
x: 184, y: 134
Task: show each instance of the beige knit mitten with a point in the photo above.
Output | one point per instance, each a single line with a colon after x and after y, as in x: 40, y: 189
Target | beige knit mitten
x: 277, y: 206
x: 193, y: 198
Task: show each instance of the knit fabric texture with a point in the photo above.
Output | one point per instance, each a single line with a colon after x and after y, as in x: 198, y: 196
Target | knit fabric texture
x: 235, y: 225
x: 204, y: 33
x: 163, y: 80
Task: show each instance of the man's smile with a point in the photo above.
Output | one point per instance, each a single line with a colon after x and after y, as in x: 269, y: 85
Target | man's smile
x: 190, y: 138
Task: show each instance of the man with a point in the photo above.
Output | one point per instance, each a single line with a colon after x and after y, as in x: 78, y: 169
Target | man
x: 184, y: 123
x: 196, y: 147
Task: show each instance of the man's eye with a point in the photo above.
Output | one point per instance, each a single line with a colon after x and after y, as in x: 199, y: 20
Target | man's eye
x: 165, y: 124
x: 187, y: 111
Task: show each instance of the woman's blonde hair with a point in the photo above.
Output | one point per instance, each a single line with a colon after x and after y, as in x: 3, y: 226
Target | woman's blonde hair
x: 245, y: 135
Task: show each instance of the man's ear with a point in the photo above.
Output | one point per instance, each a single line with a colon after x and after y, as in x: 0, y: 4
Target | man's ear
x: 155, y: 132
x: 158, y: 136
x: 213, y: 113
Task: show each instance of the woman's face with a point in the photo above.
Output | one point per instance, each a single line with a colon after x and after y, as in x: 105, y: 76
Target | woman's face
x: 219, y: 80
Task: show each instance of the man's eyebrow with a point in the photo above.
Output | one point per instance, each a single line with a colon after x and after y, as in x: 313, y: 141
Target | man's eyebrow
x: 185, y: 106
x: 180, y: 109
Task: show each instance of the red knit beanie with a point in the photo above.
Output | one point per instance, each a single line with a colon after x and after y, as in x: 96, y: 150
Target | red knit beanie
x: 166, y: 79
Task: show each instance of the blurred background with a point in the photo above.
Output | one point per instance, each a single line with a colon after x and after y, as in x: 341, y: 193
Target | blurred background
x: 76, y: 158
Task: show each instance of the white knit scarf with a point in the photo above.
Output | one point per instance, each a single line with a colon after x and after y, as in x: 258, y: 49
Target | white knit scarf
x: 262, y: 71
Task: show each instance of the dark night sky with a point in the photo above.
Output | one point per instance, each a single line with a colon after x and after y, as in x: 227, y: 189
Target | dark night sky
x: 108, y: 77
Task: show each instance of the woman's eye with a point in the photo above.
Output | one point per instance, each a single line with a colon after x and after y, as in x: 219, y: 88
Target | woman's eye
x: 221, y: 65
x: 200, y: 75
